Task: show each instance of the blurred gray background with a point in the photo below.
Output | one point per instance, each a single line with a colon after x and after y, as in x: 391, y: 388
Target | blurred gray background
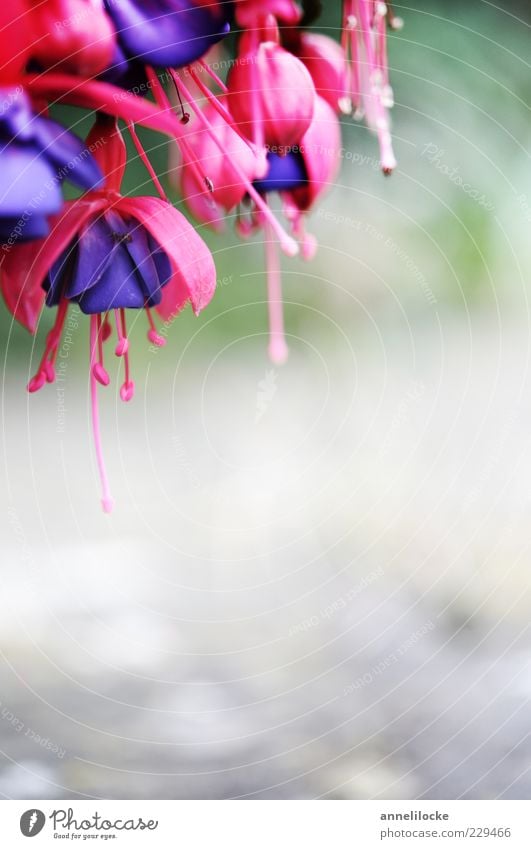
x: 315, y: 582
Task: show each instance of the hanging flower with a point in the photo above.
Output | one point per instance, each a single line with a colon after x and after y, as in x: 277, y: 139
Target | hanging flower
x: 271, y: 95
x: 108, y: 253
x: 300, y: 176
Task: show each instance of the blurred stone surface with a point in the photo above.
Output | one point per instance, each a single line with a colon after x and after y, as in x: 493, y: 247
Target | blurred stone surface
x: 323, y: 593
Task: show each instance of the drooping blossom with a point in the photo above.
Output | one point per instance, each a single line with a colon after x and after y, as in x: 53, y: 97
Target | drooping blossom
x: 303, y: 173
x: 205, y: 156
x: 108, y: 254
x: 270, y: 93
x: 235, y: 173
x: 300, y: 176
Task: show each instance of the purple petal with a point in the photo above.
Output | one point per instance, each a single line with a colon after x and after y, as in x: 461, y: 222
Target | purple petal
x: 16, y: 117
x: 27, y: 183
x: 59, y: 275
x: 18, y: 230
x: 67, y: 153
x: 96, y: 250
x: 140, y: 253
x: 161, y: 260
x: 284, y: 172
x: 167, y: 33
x: 119, y: 287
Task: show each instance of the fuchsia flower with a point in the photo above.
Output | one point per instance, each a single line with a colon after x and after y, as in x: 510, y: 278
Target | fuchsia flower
x: 108, y: 253
x: 302, y: 158
x: 271, y: 95
x: 300, y: 176
x: 306, y: 171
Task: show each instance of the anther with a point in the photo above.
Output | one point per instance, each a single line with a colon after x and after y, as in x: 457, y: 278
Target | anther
x: 127, y: 390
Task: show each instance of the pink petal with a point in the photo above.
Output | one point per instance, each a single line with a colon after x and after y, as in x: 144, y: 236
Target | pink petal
x: 321, y: 149
x: 194, y: 276
x: 25, y: 266
x: 326, y: 62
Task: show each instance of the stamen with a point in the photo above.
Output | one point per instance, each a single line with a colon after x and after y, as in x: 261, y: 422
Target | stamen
x: 185, y: 147
x: 145, y: 159
x: 212, y: 74
x: 98, y: 369
x: 220, y: 109
x: 152, y: 334
x: 46, y: 370
x: 127, y: 389
x: 307, y: 240
x: 185, y: 116
x: 368, y: 57
x: 123, y: 342
x: 277, y: 349
x: 107, y: 501
x: 106, y: 329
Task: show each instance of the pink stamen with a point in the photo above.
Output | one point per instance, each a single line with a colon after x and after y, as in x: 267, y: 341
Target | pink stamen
x: 185, y: 147
x: 368, y: 70
x: 308, y: 241
x: 145, y: 159
x: 98, y: 369
x: 36, y: 382
x: 46, y: 370
x: 123, y: 342
x: 107, y: 501
x: 277, y: 349
x: 127, y: 389
x: 49, y: 371
x: 220, y: 109
x: 152, y: 334
x: 106, y: 329
x: 382, y: 45
x: 206, y: 67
